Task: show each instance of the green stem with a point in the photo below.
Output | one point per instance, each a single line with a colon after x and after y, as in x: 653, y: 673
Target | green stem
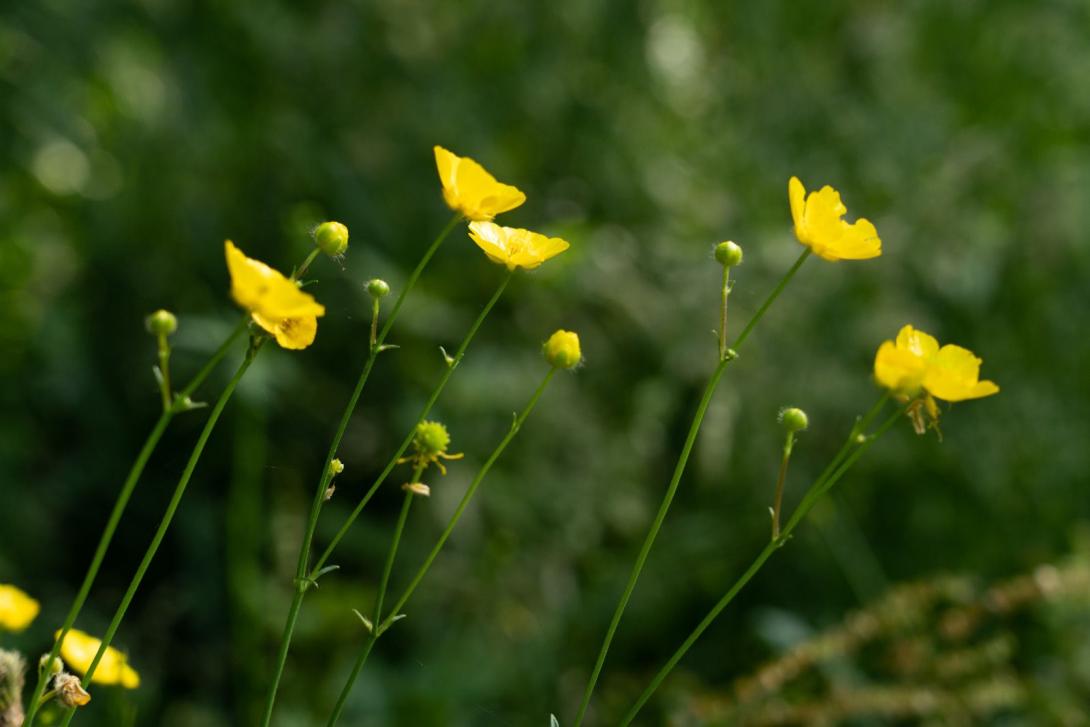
x: 671, y: 490
x: 820, y: 486
x: 456, y: 359
x: 780, y: 479
x: 172, y: 507
x: 473, y: 486
x: 380, y: 627
x: 723, y: 314
x: 298, y: 272
x: 769, y: 300
x: 374, y: 323
x: 119, y: 508
x: 164, y: 371
x: 383, y: 584
x: 326, y: 475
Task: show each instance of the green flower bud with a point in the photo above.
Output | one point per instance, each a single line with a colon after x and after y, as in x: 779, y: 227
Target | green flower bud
x: 377, y: 288
x: 794, y: 419
x: 728, y: 254
x: 55, y: 667
x: 431, y: 438
x: 161, y: 323
x: 336, y: 467
x: 562, y: 350
x: 331, y: 238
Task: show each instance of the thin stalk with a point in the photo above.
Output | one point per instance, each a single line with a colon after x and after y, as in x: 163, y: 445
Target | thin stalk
x: 671, y: 490
x: 326, y: 474
x: 164, y: 371
x: 118, y: 510
x: 770, y: 299
x: 820, y: 486
x: 453, y: 364
x: 723, y: 313
x: 473, y: 486
x: 780, y: 479
x: 383, y: 584
x: 298, y: 272
x: 172, y: 507
x: 380, y: 626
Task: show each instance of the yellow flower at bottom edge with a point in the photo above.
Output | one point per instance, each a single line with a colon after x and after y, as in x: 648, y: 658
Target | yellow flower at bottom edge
x: 819, y: 224
x: 275, y: 302
x: 17, y: 609
x: 79, y: 650
x: 515, y: 248
x: 469, y: 188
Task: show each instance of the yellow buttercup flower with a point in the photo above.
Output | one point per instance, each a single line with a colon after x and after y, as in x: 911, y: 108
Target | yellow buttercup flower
x: 275, y: 302
x: 915, y: 366
x: 79, y: 651
x: 515, y: 248
x: 820, y: 225
x: 17, y: 609
x: 900, y: 366
x: 954, y: 375
x: 468, y: 188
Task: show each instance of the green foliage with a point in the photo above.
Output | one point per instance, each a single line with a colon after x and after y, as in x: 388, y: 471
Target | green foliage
x: 137, y: 137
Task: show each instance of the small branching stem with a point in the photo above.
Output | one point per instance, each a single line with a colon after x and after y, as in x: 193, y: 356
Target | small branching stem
x: 168, y: 516
x: 326, y: 475
x: 119, y: 508
x: 849, y: 454
x: 379, y: 627
x: 726, y: 356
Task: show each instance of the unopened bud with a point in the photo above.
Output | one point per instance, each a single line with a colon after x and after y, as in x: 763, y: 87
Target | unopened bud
x: 794, y: 419
x: 336, y: 467
x: 728, y: 254
x: 562, y: 350
x: 56, y: 666
x: 377, y: 288
x: 331, y: 238
x: 161, y: 323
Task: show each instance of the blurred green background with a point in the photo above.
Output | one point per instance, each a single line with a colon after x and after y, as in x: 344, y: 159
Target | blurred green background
x: 135, y: 137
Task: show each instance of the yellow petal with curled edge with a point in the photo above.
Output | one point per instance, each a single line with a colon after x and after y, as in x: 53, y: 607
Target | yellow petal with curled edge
x: 79, y: 649
x: 469, y: 188
x: 291, y: 333
x: 954, y: 375
x: 260, y: 289
x: 513, y: 247
x: 819, y: 224
x: 17, y: 609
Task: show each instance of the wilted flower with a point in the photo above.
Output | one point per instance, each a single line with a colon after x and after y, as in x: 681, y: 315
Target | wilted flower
x: 275, y: 302
x: 820, y: 225
x: 515, y: 248
x: 468, y: 188
x: 79, y: 650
